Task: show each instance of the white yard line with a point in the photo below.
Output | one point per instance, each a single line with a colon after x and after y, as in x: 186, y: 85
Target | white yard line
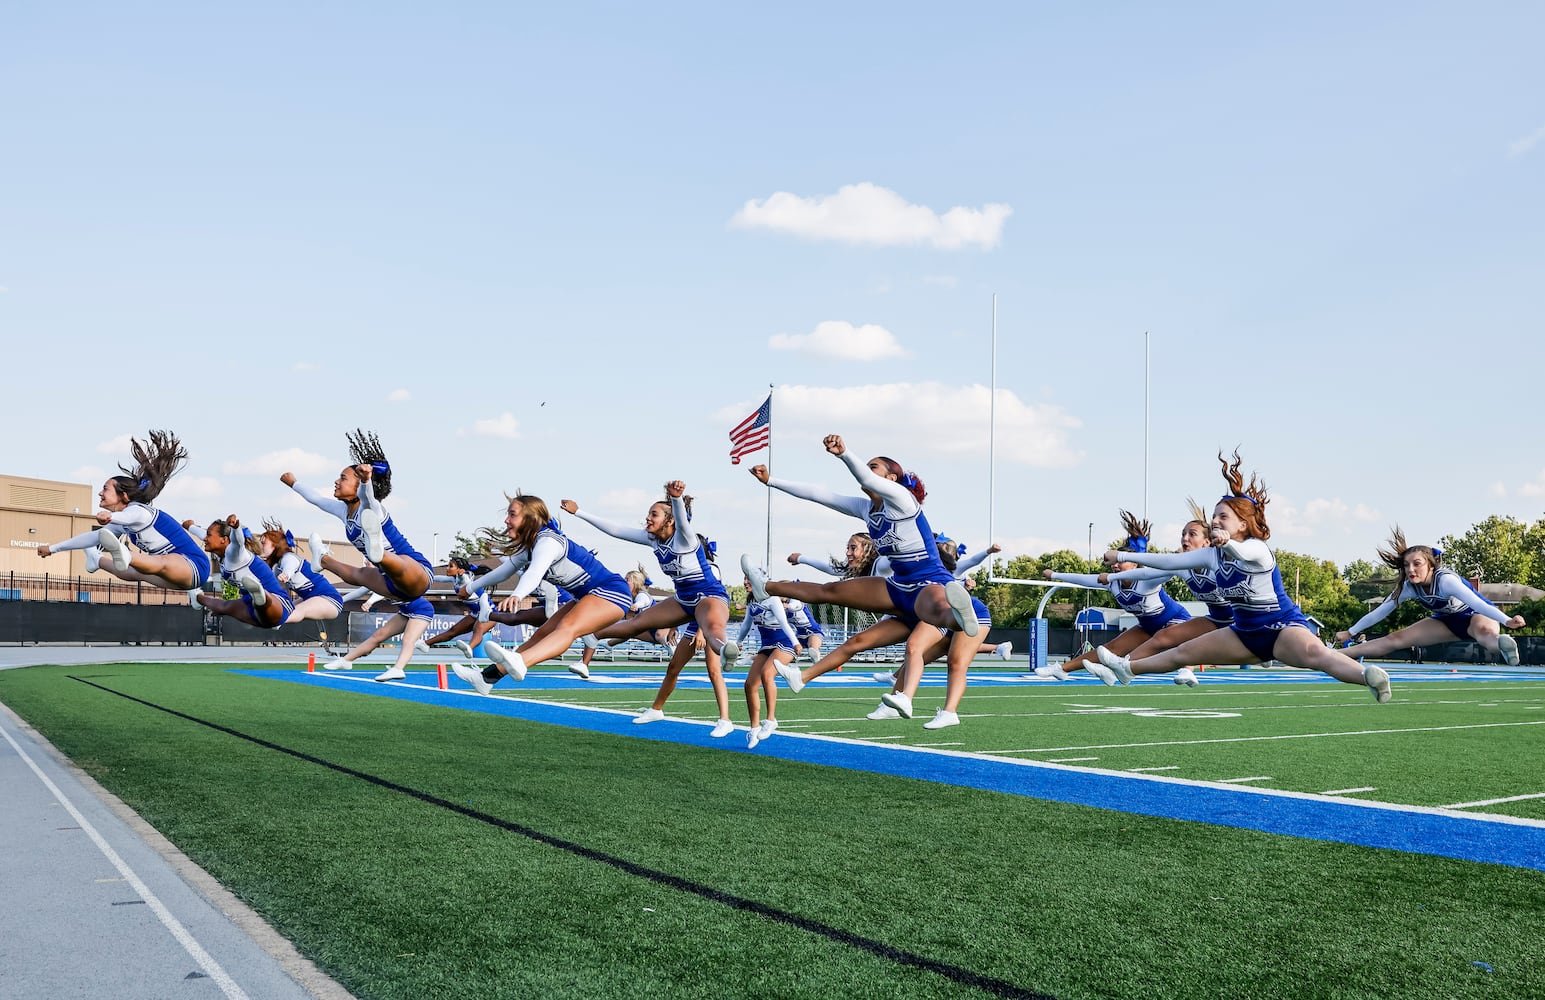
x: 1349, y: 791
x: 1144, y: 770
x: 1492, y: 802
x: 1236, y: 781
x: 1265, y: 739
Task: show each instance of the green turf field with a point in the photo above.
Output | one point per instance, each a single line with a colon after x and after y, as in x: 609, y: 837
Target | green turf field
x: 424, y: 851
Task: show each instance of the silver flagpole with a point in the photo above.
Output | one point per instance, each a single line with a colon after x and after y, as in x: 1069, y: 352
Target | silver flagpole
x: 1145, y: 425
x: 992, y: 424
x: 767, y: 552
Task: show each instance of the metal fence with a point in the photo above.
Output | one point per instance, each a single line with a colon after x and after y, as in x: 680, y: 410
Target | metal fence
x: 85, y: 590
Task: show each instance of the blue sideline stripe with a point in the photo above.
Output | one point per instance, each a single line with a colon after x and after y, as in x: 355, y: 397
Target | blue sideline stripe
x: 1467, y: 838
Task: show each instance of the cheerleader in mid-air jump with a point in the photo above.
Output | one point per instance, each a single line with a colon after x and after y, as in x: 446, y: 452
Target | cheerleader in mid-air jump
x: 684, y: 556
x: 264, y: 602
x: 168, y: 556
x: 316, y: 599
x: 541, y: 551
x: 1267, y: 624
x: 1457, y: 611
x: 396, y: 569
x: 1143, y: 596
x: 919, y: 586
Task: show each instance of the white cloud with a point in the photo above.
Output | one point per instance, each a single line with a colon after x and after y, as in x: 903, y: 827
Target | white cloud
x: 503, y: 426
x: 399, y: 396
x: 93, y: 474
x: 1533, y: 488
x: 274, y: 463
x: 116, y: 446
x: 941, y: 280
x: 1518, y: 147
x: 1320, y: 511
x: 305, y: 367
x: 184, y: 489
x: 1497, y: 490
x: 871, y: 215
x: 903, y: 418
x: 841, y: 341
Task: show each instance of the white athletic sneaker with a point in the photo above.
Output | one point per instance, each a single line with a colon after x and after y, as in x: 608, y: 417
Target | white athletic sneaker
x: 729, y: 654
x: 1003, y: 650
x: 960, y: 604
x: 392, y: 674
x: 883, y: 712
x: 753, y: 737
x: 473, y: 676
x: 338, y: 664
x: 1053, y: 671
x: 1102, y: 672
x: 319, y: 549
x: 577, y: 669
x: 889, y: 678
x: 1121, y: 666
x: 461, y: 644
x: 755, y: 580
x: 791, y: 675
x: 942, y: 720
x: 1186, y: 676
x: 1377, y: 680
x: 93, y: 559
x: 1509, y: 649
x: 193, y: 597
x: 422, y: 646
x: 899, y: 701
x: 514, y: 666
x: 767, y: 728
x: 113, y: 547
x: 723, y: 729
x: 248, y: 581
x: 648, y: 715
x: 370, y: 529
x: 485, y: 607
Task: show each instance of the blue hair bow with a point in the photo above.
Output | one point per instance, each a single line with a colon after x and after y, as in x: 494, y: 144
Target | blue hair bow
x: 1137, y: 543
x: 1437, y: 552
x: 648, y: 582
x: 144, y: 484
x: 380, y: 468
x: 908, y: 480
x: 713, y: 547
x: 247, y: 535
x: 289, y: 538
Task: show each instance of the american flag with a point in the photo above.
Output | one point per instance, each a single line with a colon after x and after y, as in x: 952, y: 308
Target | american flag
x: 752, y: 433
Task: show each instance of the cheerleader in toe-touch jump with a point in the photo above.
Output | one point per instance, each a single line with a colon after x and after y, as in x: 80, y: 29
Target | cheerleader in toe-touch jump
x: 1140, y: 595
x: 687, y: 558
x: 168, y: 556
x: 1196, y: 534
x: 1267, y: 624
x: 891, y: 509
x: 1457, y: 611
x: 538, y: 551
x: 264, y: 601
x: 395, y: 569
x: 316, y: 599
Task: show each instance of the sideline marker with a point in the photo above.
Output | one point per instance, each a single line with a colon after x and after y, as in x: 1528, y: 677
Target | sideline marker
x: 440, y: 670
x: 311, y: 663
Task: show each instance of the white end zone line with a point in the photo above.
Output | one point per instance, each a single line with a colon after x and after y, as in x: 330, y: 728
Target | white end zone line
x: 205, y: 960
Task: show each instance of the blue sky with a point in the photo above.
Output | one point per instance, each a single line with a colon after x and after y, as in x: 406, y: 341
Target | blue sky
x: 564, y: 249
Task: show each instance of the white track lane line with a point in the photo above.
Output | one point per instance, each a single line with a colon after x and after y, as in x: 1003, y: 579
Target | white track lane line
x: 205, y: 960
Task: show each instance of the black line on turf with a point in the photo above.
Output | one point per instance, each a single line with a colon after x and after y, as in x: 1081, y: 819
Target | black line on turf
x: 987, y: 984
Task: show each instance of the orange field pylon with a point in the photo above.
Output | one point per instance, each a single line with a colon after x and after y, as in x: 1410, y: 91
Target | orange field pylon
x: 440, y: 669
